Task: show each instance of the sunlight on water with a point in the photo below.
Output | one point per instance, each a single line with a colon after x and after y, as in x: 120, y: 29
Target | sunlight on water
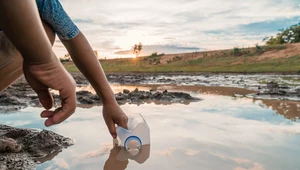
x: 220, y: 132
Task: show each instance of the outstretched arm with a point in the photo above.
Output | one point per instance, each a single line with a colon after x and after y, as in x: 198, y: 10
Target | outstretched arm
x: 85, y: 59
x: 21, y: 23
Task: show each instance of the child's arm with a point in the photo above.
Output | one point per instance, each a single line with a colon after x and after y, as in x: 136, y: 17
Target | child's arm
x: 21, y: 23
x: 85, y: 59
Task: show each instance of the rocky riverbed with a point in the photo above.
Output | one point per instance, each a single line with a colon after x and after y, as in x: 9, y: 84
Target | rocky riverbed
x: 267, y: 86
x: 19, y: 95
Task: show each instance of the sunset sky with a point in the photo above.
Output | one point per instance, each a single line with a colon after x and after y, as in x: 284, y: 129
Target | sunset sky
x: 174, y: 26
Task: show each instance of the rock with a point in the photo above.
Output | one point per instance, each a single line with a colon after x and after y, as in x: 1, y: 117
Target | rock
x: 120, y: 96
x: 9, y: 145
x: 84, y: 93
x: 29, y: 145
x: 126, y: 91
x: 7, y: 99
x: 272, y: 85
x: 156, y: 95
x: 85, y: 100
x: 20, y: 95
x: 95, y: 97
x: 166, y: 98
x: 136, y: 101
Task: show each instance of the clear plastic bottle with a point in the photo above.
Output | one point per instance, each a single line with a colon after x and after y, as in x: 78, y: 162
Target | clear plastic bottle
x: 135, y: 141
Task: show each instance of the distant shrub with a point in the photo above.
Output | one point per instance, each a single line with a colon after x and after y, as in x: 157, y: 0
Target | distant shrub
x: 258, y: 49
x: 236, y: 51
x: 154, y: 55
x: 176, y: 58
x: 199, y: 60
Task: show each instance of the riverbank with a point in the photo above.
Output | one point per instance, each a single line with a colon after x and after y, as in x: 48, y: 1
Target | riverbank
x: 279, y: 59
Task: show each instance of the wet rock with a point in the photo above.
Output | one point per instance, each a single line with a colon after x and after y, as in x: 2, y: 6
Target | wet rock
x: 86, y: 97
x: 8, y: 99
x: 136, y: 101
x: 84, y: 93
x: 9, y: 103
x: 126, y: 91
x: 9, y: 145
x: 96, y: 97
x: 272, y: 85
x: 34, y: 144
x: 140, y: 97
x: 86, y: 100
x: 120, y: 96
x: 156, y: 95
x: 166, y: 98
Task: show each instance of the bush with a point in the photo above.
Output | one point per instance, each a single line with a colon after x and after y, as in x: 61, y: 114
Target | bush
x: 153, y: 55
x: 258, y: 49
x: 236, y: 51
x: 288, y: 35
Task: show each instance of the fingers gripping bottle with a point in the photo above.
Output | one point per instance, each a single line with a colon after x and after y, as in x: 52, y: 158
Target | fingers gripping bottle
x: 134, y: 141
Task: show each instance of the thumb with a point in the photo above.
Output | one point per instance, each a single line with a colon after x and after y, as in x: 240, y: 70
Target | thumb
x: 45, y: 98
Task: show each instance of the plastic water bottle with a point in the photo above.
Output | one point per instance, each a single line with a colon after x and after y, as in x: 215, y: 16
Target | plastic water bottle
x: 135, y: 141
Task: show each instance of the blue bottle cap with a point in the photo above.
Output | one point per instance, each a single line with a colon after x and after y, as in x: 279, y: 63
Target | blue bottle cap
x: 133, y: 145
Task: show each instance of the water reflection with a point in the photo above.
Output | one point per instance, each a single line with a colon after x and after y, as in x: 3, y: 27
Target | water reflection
x: 220, y: 132
x: 289, y: 109
x: 140, y: 158
x: 47, y: 157
x: 113, y: 163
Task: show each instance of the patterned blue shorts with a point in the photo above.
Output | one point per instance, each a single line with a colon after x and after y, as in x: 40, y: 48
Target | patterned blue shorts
x: 52, y: 12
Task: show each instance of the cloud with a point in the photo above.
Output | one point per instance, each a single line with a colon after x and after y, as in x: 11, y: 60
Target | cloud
x: 167, y: 152
x: 62, y: 164
x: 203, y: 24
x: 97, y: 153
x: 191, y: 152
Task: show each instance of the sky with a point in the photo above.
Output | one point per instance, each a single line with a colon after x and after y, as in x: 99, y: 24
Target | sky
x: 112, y: 27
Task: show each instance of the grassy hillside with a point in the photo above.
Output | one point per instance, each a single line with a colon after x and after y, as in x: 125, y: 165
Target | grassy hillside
x: 260, y: 59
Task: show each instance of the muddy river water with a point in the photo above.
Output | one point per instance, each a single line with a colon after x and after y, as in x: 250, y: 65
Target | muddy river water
x: 222, y: 131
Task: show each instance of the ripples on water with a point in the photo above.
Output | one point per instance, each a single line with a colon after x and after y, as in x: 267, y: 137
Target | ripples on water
x: 220, y: 132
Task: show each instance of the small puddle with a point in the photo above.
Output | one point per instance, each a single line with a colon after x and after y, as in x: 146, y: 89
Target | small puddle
x: 223, y: 130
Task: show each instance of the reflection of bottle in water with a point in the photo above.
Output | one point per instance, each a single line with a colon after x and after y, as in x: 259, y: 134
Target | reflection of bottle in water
x: 134, y: 141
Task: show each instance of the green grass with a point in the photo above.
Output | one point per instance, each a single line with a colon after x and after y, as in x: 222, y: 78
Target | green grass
x: 217, y: 63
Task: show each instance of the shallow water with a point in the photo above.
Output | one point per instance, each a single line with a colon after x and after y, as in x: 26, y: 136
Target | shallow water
x: 220, y: 132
